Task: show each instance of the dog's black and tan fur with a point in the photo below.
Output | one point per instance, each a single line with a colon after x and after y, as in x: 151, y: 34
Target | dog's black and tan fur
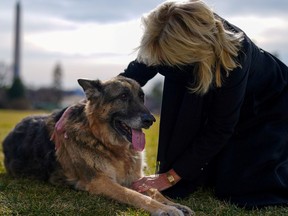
x: 96, y: 155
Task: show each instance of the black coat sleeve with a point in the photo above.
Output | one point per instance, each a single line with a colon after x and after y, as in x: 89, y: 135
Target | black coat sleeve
x: 222, y: 116
x: 139, y: 72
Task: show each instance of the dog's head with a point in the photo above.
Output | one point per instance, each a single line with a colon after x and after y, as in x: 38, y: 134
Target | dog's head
x: 119, y: 104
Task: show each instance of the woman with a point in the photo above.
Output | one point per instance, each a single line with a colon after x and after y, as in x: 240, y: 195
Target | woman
x: 224, y: 117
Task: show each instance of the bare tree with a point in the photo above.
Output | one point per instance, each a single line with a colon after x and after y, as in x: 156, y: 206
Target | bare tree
x: 3, y: 74
x: 154, y: 98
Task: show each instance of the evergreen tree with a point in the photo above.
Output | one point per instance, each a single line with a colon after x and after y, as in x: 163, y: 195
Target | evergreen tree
x: 17, y: 90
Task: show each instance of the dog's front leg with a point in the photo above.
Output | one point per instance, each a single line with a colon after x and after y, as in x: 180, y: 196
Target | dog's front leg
x: 156, y: 195
x: 106, y: 186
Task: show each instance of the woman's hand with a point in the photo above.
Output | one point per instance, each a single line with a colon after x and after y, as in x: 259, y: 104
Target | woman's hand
x: 159, y: 182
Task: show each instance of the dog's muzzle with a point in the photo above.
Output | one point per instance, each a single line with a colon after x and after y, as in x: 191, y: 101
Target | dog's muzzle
x: 147, y: 120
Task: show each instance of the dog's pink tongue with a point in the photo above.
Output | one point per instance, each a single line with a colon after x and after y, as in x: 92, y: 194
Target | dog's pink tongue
x: 138, y: 140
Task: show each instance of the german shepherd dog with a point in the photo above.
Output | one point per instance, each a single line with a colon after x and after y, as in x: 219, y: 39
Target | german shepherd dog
x: 100, y: 150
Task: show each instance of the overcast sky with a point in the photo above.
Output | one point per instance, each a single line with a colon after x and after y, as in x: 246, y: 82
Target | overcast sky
x: 95, y: 39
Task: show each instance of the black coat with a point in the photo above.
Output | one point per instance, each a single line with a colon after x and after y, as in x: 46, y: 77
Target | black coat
x: 236, y: 135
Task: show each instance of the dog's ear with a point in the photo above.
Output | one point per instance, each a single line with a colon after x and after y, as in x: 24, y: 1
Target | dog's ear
x: 92, y: 88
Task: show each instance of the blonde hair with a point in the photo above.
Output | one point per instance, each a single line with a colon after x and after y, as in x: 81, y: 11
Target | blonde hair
x: 179, y: 33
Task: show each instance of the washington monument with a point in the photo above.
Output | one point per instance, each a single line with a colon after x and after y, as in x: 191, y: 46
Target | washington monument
x: 17, y: 42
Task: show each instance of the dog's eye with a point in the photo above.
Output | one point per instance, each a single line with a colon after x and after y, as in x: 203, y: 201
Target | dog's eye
x: 124, y: 96
x: 142, y: 96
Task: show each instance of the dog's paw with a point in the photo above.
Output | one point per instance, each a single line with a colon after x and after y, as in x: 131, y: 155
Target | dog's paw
x: 168, y: 211
x: 186, y: 210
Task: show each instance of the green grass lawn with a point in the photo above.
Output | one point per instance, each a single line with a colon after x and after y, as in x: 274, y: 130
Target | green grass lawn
x: 28, y: 197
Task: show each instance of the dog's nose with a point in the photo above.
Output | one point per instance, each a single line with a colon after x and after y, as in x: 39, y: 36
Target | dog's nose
x: 147, y: 120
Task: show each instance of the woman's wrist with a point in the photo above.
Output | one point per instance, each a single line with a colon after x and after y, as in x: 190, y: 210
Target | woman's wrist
x: 172, y: 177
